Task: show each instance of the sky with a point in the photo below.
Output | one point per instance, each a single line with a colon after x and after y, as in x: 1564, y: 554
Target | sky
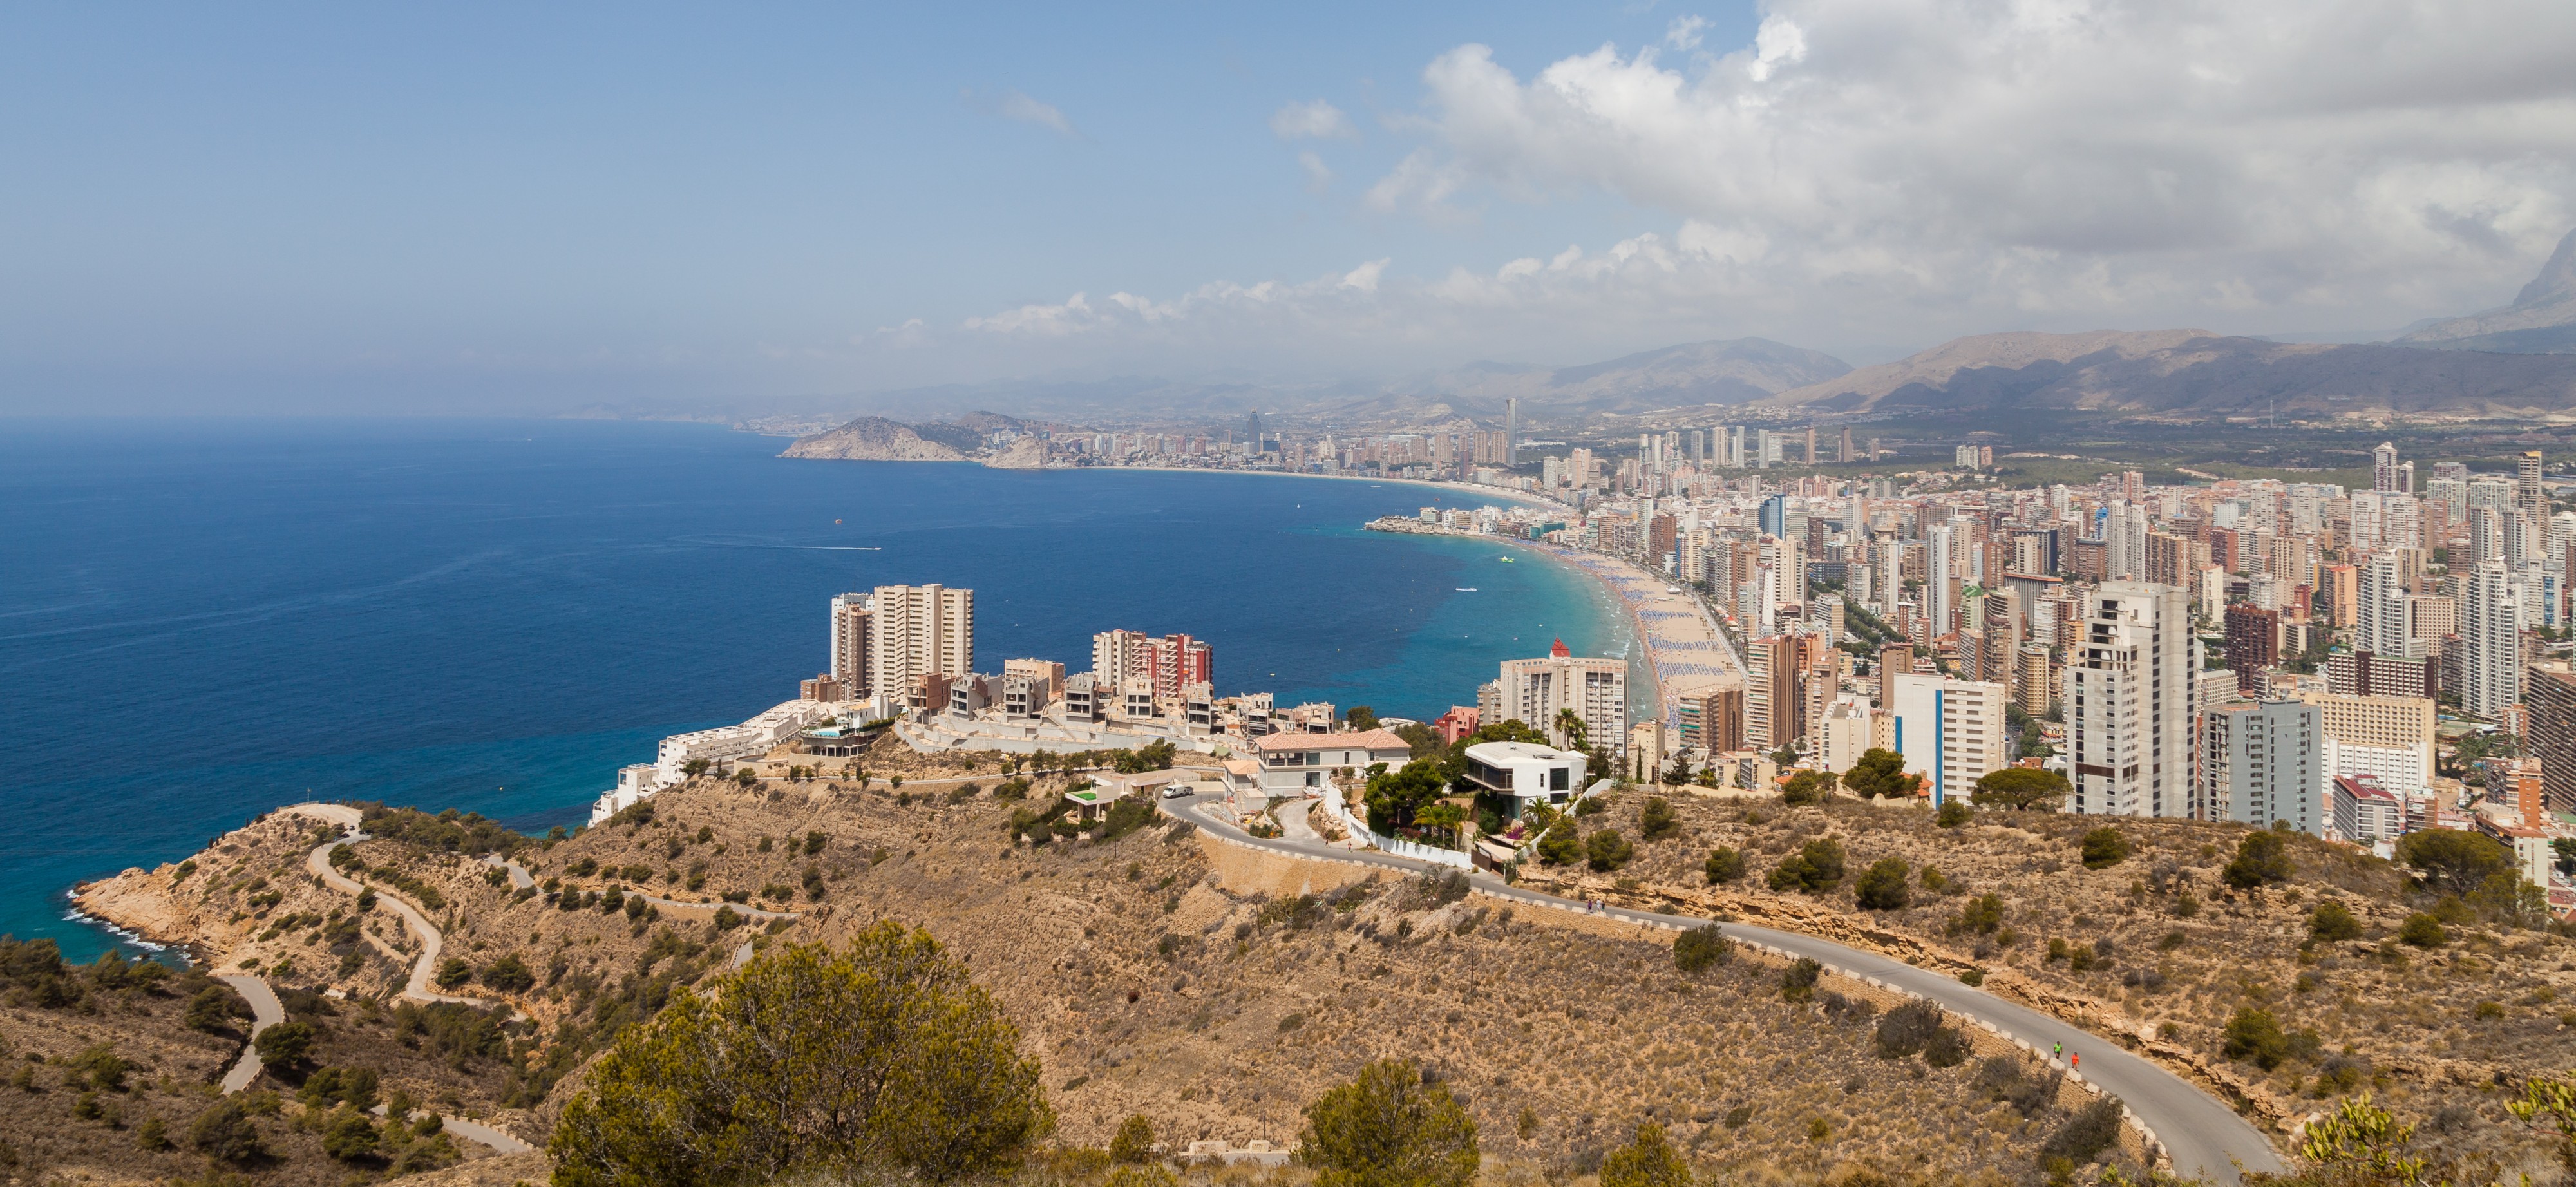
x: 331, y: 208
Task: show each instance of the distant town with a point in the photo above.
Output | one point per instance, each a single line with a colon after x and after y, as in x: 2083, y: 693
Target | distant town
x: 2353, y: 664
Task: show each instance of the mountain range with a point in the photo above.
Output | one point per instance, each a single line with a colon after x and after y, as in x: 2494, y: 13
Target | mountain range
x: 2514, y: 360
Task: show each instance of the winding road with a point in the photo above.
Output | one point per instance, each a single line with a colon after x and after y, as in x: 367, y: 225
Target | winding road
x: 266, y: 1011
x: 2200, y: 1133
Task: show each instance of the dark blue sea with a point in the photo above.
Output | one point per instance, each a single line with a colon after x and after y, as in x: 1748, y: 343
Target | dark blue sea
x: 200, y: 620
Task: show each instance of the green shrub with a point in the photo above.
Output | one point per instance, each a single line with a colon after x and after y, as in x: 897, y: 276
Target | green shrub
x: 1134, y: 1142
x: 2254, y: 1035
x: 2105, y: 847
x: 1882, y: 885
x: 1798, y: 981
x: 1815, y: 868
x: 1607, y: 850
x: 285, y: 1043
x: 1701, y: 947
x: 1389, y: 1127
x: 1723, y: 865
x: 2262, y: 859
x: 2088, y: 1133
x: 2423, y: 931
x: 1907, y: 1028
x: 1647, y: 1161
x: 2332, y: 921
x: 1807, y: 787
x: 1953, y: 813
x: 1559, y: 845
x: 1657, y: 822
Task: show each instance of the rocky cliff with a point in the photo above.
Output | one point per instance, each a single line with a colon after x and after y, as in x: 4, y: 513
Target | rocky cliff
x: 2542, y: 318
x: 874, y: 439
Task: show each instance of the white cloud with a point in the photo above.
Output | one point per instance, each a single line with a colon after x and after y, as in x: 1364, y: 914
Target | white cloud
x: 1685, y: 32
x: 1873, y: 173
x: 1319, y: 176
x: 1319, y: 120
x: 1015, y: 105
x: 2119, y: 159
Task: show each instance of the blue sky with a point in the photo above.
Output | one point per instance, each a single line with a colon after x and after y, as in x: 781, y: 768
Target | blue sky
x: 332, y: 208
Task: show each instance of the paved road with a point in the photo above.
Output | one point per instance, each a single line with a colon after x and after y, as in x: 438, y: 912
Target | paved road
x: 431, y: 942
x: 2200, y: 1133
x: 266, y: 1011
x: 473, y: 1131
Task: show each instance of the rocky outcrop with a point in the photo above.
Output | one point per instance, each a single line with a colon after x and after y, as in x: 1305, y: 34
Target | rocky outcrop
x: 2541, y: 320
x: 2197, y: 373
x: 874, y: 439
x: 1026, y: 452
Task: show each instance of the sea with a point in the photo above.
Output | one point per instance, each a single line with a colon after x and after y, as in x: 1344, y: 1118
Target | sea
x: 203, y: 619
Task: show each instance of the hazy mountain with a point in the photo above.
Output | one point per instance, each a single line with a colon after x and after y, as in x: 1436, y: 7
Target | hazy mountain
x: 1729, y: 371
x: 2542, y: 318
x: 2198, y: 372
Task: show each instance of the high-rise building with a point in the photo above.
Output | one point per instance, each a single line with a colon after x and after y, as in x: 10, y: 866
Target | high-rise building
x: 2253, y: 645
x: 1534, y: 691
x: 2553, y: 733
x: 2265, y: 762
x: 1940, y: 598
x: 1175, y: 662
x: 2383, y: 467
x: 1512, y: 431
x: 2389, y: 738
x: 2528, y: 497
x: 1712, y: 719
x: 2035, y: 681
x: 2128, y: 698
x: 2381, y: 626
x: 2490, y: 641
x: 852, y: 615
x: 919, y: 630
x: 1951, y: 732
x: 1772, y: 692
x: 1894, y: 659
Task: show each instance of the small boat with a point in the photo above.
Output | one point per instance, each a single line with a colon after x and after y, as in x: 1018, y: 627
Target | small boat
x: 1466, y: 589
x: 1505, y: 559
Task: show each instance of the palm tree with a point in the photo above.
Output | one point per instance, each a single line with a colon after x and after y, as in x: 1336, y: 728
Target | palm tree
x: 1570, y: 725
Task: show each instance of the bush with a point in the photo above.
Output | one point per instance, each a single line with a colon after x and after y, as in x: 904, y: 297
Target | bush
x: 1948, y: 1048
x: 1807, y: 787
x: 1559, y: 845
x: 1907, y: 1029
x: 2020, y: 788
x: 2453, y: 861
x: 1798, y: 981
x: 1134, y: 1142
x: 1646, y: 1161
x: 1982, y: 915
x: 1815, y: 868
x: 1882, y: 885
x: 2105, y: 847
x: 1701, y: 947
x: 348, y: 1135
x: 2255, y: 1036
x: 453, y: 972
x: 2423, y: 931
x: 2086, y: 1134
x: 1953, y: 813
x: 1389, y: 1128
x: 284, y: 1044
x: 1607, y: 850
x: 509, y: 974
x: 2262, y: 859
x: 1657, y: 822
x: 1723, y: 865
x: 226, y: 1133
x: 2332, y: 921
x: 903, y: 1062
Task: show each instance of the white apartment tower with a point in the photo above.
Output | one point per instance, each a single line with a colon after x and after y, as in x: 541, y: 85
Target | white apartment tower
x: 1534, y: 690
x: 2265, y: 763
x: 2383, y: 467
x: 2491, y: 638
x: 919, y: 630
x: 1939, y: 563
x: 2381, y: 608
x: 1951, y: 732
x: 2128, y: 701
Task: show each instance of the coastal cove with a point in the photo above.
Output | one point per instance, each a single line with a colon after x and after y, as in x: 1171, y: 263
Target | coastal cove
x: 208, y: 619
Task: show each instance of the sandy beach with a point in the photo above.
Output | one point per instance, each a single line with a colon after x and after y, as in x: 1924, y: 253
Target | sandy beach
x: 1685, y: 652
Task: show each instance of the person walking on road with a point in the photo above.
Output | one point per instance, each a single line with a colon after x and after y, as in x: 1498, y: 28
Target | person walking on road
x: 2056, y: 1050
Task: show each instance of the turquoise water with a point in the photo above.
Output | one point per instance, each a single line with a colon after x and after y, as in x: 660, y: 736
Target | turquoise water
x: 202, y: 620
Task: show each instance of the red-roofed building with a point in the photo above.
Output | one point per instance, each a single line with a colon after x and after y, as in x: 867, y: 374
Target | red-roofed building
x: 2365, y: 813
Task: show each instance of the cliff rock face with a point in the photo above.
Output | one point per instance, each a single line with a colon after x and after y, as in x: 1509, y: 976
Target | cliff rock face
x: 874, y: 439
x: 2541, y: 320
x: 2195, y: 372
x: 1023, y: 453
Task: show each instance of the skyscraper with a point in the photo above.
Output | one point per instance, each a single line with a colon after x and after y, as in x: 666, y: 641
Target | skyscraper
x: 2528, y: 497
x: 853, y: 614
x: 1512, y: 431
x: 1534, y: 691
x: 2129, y: 699
x: 2263, y: 763
x: 1951, y: 732
x: 2383, y: 468
x: 919, y: 630
x: 1938, y: 598
x: 2491, y: 641
x: 2381, y: 626
x: 1771, y: 692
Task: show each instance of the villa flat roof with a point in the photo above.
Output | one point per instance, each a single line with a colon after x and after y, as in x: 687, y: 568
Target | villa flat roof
x: 1376, y: 739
